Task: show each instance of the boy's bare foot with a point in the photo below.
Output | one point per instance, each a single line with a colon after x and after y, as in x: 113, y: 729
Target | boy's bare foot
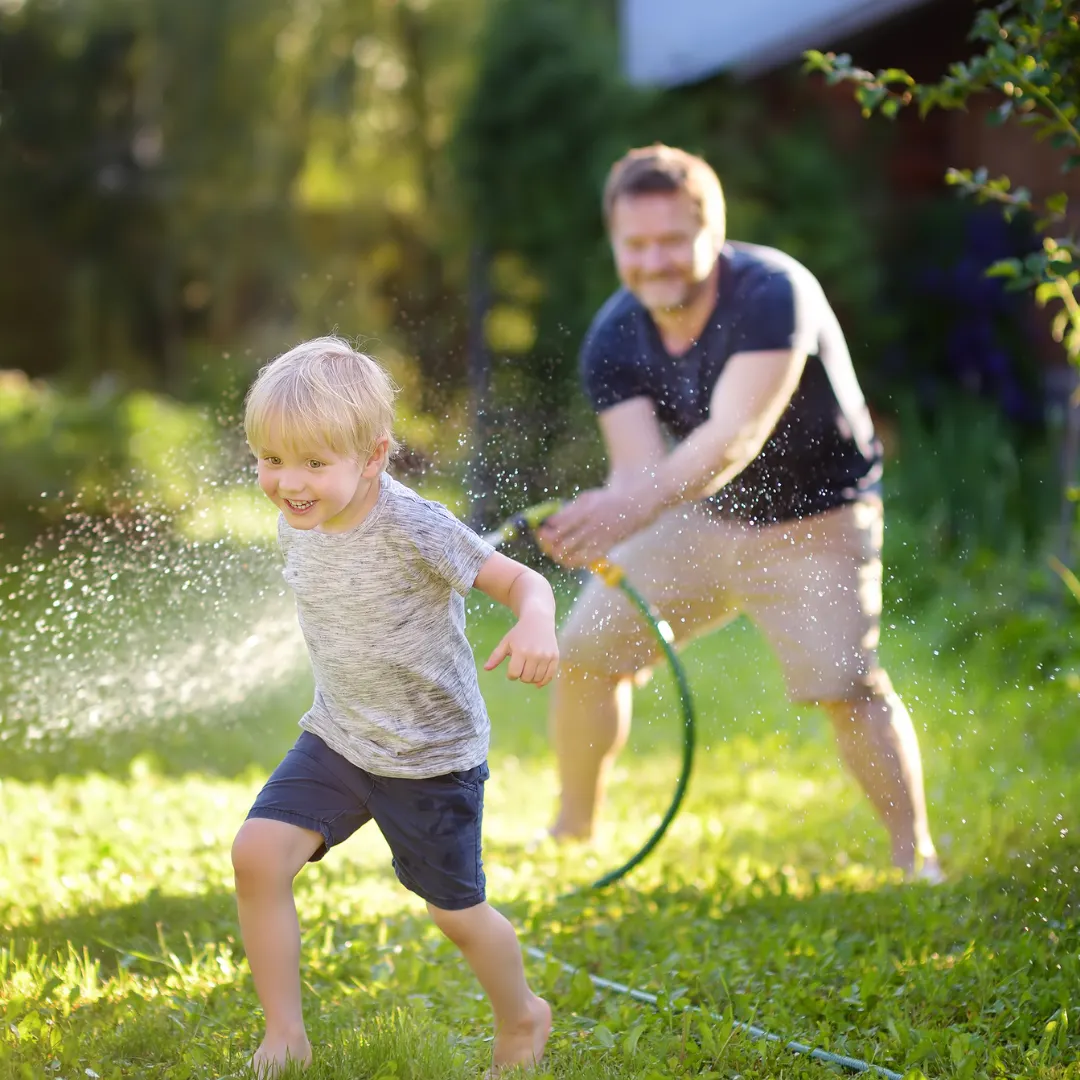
x: 524, y: 1044
x: 274, y: 1056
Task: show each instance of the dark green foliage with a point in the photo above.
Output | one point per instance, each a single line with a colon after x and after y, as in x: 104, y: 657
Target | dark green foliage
x: 547, y: 117
x: 1030, y: 60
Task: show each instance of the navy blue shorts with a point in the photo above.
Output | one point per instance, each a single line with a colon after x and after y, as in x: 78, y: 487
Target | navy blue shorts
x: 432, y: 825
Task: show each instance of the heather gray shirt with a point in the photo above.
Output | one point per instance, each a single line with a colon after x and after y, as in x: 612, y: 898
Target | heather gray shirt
x: 382, y: 610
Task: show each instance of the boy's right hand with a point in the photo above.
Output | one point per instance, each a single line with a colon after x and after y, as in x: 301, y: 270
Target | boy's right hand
x: 531, y: 644
x: 533, y: 650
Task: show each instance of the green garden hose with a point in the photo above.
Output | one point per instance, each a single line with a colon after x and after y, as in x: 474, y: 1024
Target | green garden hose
x: 526, y: 522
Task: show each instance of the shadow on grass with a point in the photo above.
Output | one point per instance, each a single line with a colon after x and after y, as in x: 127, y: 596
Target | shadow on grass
x: 902, y: 975
x: 1031, y: 897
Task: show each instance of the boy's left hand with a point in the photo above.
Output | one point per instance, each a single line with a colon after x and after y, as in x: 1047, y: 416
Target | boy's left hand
x: 533, y: 650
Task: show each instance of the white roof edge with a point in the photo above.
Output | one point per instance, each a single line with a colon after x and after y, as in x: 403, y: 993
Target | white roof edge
x: 859, y: 17
x: 648, y: 66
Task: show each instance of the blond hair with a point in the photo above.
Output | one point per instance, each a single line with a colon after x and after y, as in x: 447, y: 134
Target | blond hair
x: 665, y: 170
x: 322, y: 393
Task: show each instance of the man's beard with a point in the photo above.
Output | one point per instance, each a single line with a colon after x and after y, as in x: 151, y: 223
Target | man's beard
x: 691, y: 291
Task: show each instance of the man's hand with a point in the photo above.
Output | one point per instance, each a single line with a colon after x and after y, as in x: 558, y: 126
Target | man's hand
x: 597, y: 520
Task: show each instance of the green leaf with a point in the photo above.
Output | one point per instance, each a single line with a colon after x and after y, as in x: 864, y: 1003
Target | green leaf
x: 581, y: 989
x: 602, y: 1034
x: 958, y: 1051
x: 894, y: 75
x: 1002, y: 52
x: 958, y: 176
x: 1057, y: 204
x: 1035, y: 263
x: 630, y: 1043
x: 870, y: 97
x: 1046, y: 292
x: 1004, y: 268
x: 923, y: 1049
x: 987, y: 26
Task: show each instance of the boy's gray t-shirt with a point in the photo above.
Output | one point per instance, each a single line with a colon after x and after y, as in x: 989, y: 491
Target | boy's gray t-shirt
x: 382, y: 610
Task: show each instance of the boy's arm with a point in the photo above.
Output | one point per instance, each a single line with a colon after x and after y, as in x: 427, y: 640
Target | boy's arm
x: 531, y: 643
x: 514, y: 586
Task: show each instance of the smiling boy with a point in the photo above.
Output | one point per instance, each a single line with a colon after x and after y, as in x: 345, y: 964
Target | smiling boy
x: 398, y: 731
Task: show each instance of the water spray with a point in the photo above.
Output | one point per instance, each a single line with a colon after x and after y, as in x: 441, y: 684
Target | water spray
x: 526, y: 522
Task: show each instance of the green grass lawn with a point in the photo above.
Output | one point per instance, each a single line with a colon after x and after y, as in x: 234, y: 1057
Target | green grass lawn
x: 770, y: 901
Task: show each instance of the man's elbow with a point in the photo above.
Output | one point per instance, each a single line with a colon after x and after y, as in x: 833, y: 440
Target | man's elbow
x: 743, y: 447
x: 737, y: 453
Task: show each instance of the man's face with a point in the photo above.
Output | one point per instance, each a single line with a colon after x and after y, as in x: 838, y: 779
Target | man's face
x: 663, y: 253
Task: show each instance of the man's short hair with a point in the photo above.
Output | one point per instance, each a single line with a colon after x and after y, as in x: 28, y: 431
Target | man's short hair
x: 665, y: 170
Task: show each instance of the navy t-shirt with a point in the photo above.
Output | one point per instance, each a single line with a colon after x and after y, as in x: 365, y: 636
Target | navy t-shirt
x: 823, y: 451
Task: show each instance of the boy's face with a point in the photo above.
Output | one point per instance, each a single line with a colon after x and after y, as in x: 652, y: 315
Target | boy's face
x: 317, y: 488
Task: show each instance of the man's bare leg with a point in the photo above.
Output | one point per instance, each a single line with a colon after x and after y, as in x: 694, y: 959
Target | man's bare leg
x: 878, y: 742
x: 590, y: 722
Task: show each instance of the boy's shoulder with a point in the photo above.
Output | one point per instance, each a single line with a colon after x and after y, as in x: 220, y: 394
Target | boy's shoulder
x: 404, y: 505
x: 425, y: 524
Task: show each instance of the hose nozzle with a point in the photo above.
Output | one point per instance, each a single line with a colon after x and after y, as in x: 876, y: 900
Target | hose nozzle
x: 525, y: 521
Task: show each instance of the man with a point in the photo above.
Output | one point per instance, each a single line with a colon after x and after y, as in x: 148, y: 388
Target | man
x: 743, y: 477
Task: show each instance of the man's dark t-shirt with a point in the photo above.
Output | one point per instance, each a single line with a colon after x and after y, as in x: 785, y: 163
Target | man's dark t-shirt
x: 823, y: 451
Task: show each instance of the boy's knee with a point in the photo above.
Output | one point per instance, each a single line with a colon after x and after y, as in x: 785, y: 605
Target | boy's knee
x: 246, y: 851
x: 258, y: 854
x: 457, y: 925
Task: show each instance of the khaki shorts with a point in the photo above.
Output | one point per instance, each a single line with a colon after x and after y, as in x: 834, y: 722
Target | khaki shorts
x: 812, y: 586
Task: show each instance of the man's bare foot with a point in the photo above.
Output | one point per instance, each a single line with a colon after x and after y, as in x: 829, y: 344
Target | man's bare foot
x: 524, y: 1044
x: 928, y: 871
x: 565, y: 833
x: 274, y: 1056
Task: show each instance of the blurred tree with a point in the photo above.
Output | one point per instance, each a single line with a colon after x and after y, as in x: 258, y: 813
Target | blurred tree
x: 546, y: 116
x: 186, y: 179
x: 187, y: 189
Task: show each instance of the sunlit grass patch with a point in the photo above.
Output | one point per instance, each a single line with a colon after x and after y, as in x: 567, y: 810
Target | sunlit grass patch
x: 770, y: 901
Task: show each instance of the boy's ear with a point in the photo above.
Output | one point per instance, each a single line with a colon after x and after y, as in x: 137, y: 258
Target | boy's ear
x: 377, y: 459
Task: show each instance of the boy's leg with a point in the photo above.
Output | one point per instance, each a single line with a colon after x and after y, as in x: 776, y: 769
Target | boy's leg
x: 490, y: 947
x: 682, y: 565
x: 266, y: 856
x: 433, y: 826
x: 313, y: 800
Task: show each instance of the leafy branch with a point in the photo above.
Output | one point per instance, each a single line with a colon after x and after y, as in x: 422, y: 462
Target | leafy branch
x: 1031, y: 61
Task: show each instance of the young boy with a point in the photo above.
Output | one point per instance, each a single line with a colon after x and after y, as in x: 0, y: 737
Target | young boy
x: 398, y: 731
